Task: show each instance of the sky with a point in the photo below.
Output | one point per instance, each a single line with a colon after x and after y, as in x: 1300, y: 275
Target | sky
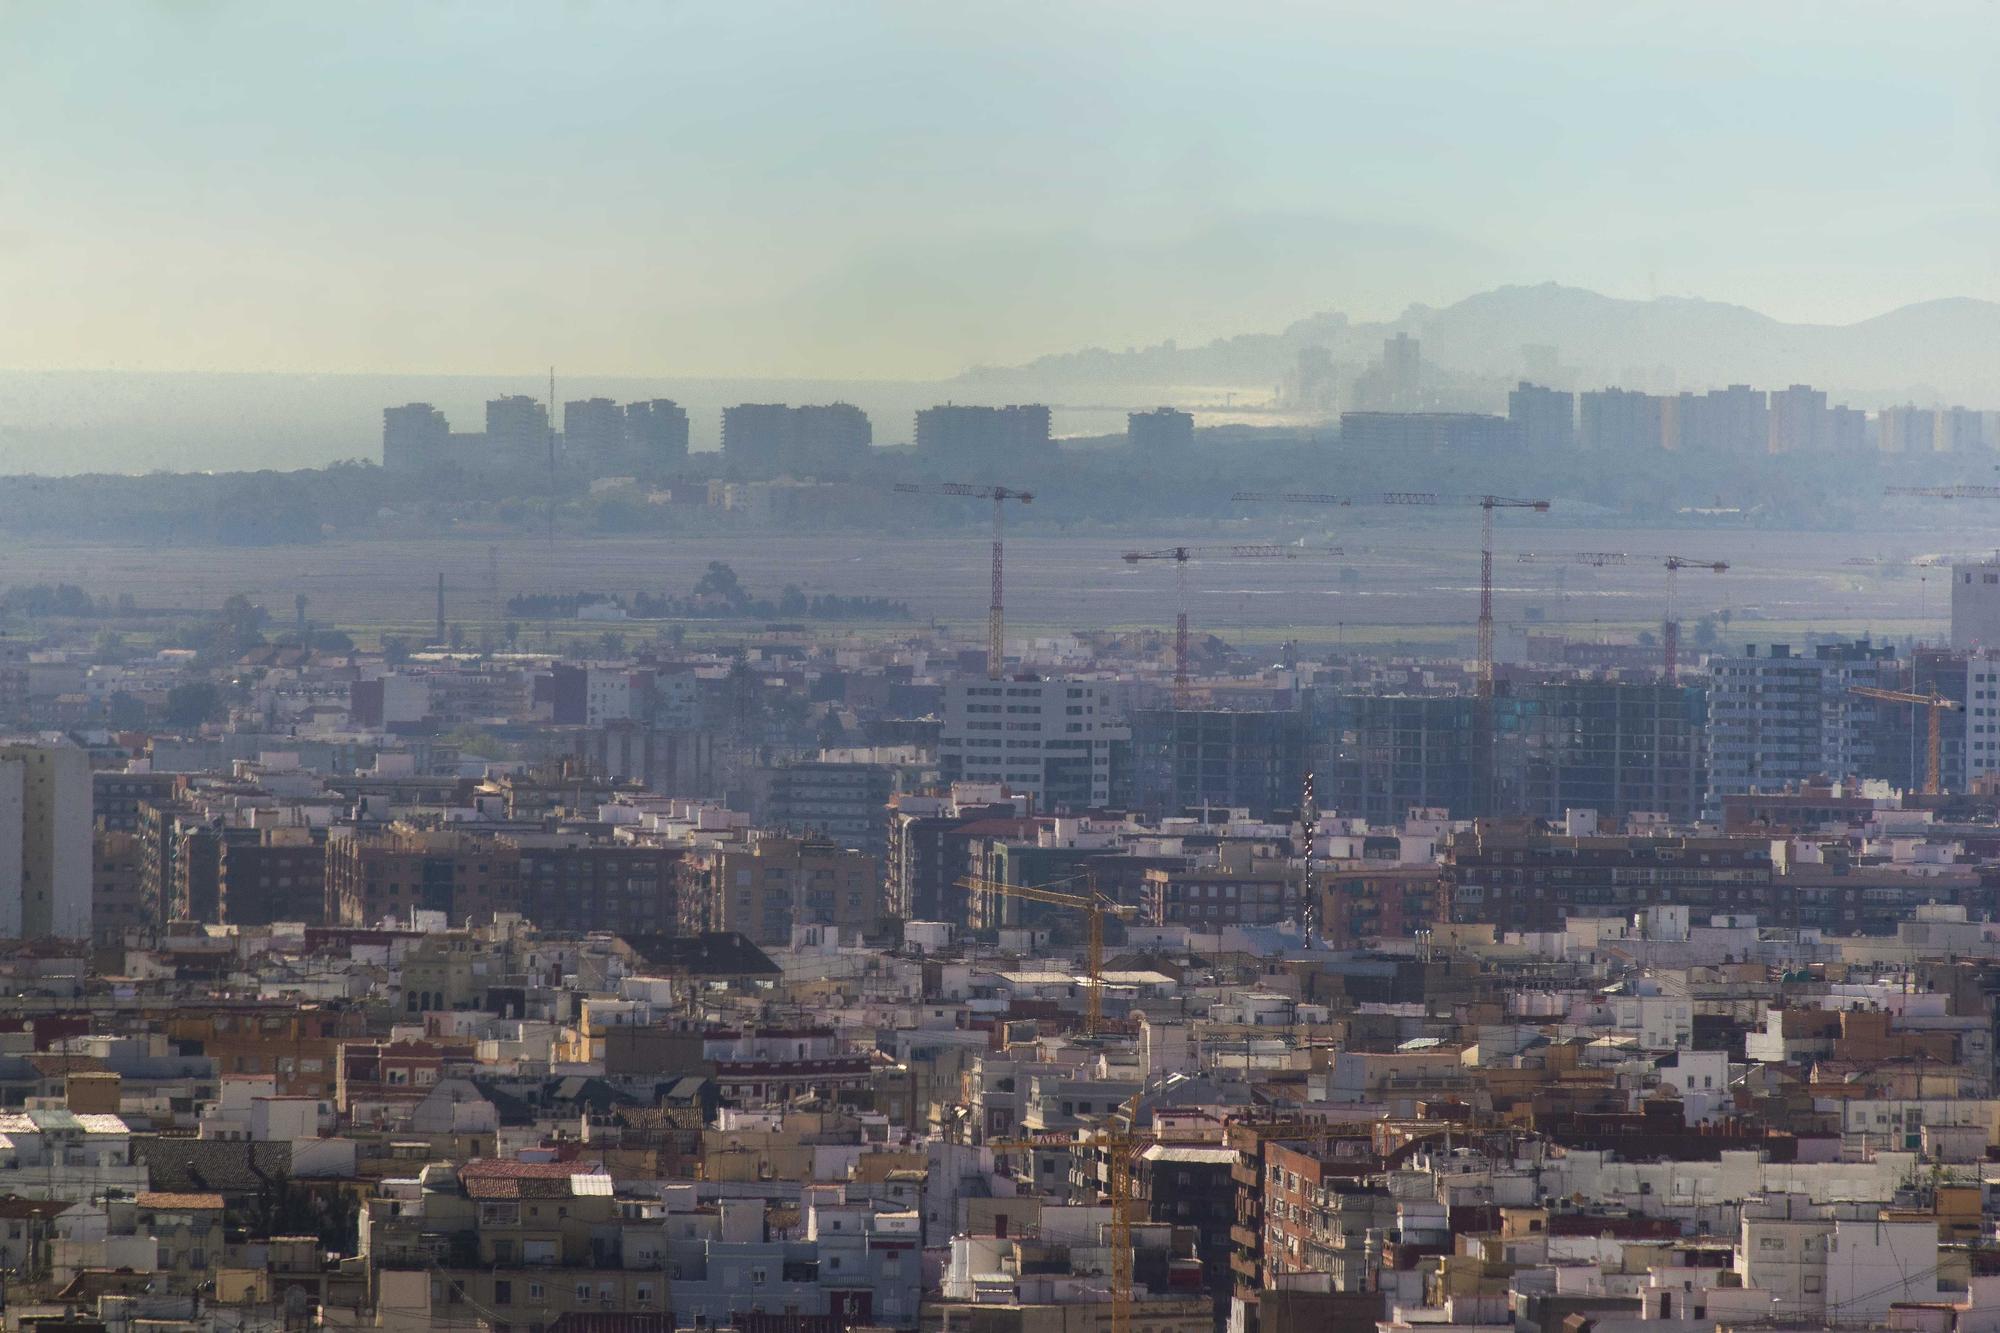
x: 864, y: 190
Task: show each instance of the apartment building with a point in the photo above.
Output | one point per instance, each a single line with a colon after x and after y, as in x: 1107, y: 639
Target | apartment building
x: 1054, y: 739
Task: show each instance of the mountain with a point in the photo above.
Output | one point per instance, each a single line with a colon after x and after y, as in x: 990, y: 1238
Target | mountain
x: 1946, y: 350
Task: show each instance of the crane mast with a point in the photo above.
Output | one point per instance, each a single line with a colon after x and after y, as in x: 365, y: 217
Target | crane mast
x: 996, y: 615
x: 1181, y: 555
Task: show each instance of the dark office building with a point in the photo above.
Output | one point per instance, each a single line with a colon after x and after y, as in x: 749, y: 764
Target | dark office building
x: 1185, y: 759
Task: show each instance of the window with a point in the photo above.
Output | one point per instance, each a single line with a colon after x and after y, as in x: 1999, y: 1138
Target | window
x: 503, y: 1290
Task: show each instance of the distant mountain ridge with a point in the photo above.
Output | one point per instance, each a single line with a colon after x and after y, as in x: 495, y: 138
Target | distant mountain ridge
x: 1945, y: 350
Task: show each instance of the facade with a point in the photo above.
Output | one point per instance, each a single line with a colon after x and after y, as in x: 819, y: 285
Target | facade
x: 45, y: 841
x: 1208, y: 898
x: 1613, y: 746
x: 1536, y: 881
x: 656, y: 435
x: 1799, y: 421
x: 1975, y: 606
x: 1184, y: 760
x: 1545, y: 418
x: 374, y: 876
x: 571, y: 884
x: 1050, y: 738
x: 1734, y: 421
x: 1164, y: 430
x: 1617, y: 421
x: 517, y: 433
x: 1781, y: 718
x: 594, y: 435
x: 958, y: 435
x: 415, y: 438
x: 842, y: 802
x: 273, y: 874
x: 1390, y: 754
x: 116, y: 904
x: 773, y: 439
x: 766, y: 888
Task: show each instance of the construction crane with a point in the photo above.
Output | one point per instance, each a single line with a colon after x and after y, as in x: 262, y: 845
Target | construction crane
x: 1670, y: 628
x: 1936, y: 704
x: 1095, y: 907
x: 1181, y: 555
x: 1118, y: 1146
x: 1596, y: 559
x: 1961, y: 491
x: 996, y: 617
x: 1487, y: 504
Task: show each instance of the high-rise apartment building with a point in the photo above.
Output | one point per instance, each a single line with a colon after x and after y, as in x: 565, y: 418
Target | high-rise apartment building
x: 1784, y: 718
x: 770, y: 439
x: 1545, y: 418
x: 1620, y: 421
x: 415, y: 438
x: 1735, y: 421
x: 1614, y: 746
x: 517, y: 432
x: 1164, y: 430
x: 1959, y: 430
x: 45, y: 840
x: 1391, y: 754
x: 1049, y: 738
x: 656, y: 433
x: 1184, y: 759
x: 594, y: 436
x: 961, y: 436
x: 1395, y: 383
x: 1799, y: 423
x: 1907, y: 430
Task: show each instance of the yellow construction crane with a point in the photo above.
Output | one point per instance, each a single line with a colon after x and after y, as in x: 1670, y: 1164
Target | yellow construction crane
x: 1936, y: 704
x: 1118, y: 1146
x: 1094, y: 905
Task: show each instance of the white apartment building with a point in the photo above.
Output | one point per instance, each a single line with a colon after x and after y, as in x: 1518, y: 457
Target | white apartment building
x: 1050, y: 738
x: 1975, y: 606
x: 1781, y: 717
x: 45, y: 840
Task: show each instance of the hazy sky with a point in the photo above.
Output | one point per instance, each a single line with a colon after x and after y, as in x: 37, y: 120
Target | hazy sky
x: 854, y: 189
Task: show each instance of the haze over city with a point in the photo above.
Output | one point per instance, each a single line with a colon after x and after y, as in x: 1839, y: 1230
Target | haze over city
x: 1089, y: 667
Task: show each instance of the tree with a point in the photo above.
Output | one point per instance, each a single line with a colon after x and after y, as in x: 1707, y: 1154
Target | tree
x: 395, y: 649
x: 720, y: 584
x: 193, y: 703
x: 512, y: 633
x: 612, y: 642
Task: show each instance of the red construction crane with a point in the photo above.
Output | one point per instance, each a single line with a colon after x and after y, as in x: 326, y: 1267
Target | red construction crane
x: 1486, y: 504
x: 1670, y: 628
x: 996, y: 617
x: 1181, y: 555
